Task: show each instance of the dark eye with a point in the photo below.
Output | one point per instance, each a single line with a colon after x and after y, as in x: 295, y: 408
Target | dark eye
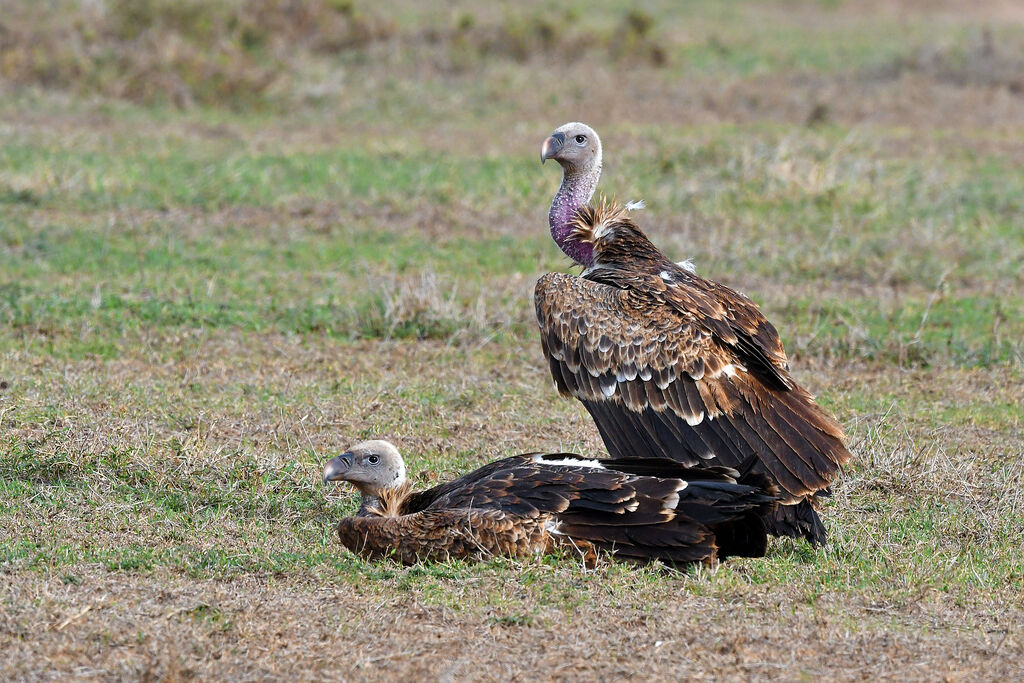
x: 580, y: 139
x: 373, y: 460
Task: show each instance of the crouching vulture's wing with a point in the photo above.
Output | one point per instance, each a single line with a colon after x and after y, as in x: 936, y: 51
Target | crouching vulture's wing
x: 672, y: 365
x: 642, y: 510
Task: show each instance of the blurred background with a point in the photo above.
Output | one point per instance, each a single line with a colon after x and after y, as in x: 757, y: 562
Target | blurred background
x: 800, y: 62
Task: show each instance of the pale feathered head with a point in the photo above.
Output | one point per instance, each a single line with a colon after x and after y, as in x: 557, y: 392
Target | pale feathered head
x: 373, y: 466
x: 575, y: 146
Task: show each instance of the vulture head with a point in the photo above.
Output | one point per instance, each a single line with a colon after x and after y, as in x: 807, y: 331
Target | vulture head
x: 372, y: 466
x: 575, y: 146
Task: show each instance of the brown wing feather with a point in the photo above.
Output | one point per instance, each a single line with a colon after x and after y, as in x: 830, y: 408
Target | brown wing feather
x: 677, y: 377
x: 525, y: 488
x: 735, y: 321
x: 627, y: 259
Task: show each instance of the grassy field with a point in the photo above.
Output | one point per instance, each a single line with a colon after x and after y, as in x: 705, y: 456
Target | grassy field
x: 218, y: 268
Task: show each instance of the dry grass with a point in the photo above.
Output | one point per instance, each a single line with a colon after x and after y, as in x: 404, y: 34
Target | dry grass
x: 163, y: 627
x: 199, y: 306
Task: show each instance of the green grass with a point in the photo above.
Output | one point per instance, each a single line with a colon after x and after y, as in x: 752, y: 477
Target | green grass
x: 116, y: 274
x: 177, y: 174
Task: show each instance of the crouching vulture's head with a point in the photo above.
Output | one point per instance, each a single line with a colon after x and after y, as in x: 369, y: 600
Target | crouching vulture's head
x: 373, y: 466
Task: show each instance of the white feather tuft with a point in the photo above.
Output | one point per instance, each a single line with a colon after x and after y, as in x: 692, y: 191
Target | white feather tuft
x: 635, y: 206
x: 542, y: 459
x: 687, y: 265
x: 730, y: 370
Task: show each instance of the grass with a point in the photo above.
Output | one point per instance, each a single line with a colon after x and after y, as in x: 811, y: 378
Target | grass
x: 203, y: 298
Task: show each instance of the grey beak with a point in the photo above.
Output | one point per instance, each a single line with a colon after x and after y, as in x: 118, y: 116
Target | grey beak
x: 552, y: 146
x: 337, y: 467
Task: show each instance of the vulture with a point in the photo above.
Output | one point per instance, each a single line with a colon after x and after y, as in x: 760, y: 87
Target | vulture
x: 668, y: 363
x: 640, y: 510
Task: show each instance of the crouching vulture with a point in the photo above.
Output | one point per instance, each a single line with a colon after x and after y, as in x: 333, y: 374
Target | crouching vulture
x: 670, y: 364
x: 642, y: 510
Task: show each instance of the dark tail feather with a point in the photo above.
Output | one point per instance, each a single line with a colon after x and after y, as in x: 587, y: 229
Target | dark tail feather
x: 797, y: 521
x: 746, y: 537
x: 742, y: 538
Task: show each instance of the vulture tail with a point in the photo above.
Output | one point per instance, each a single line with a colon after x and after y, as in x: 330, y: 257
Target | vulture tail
x: 748, y: 535
x: 797, y: 521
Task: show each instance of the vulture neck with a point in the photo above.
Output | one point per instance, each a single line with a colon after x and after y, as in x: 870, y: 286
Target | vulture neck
x: 576, y: 190
x: 369, y: 506
x: 384, y: 502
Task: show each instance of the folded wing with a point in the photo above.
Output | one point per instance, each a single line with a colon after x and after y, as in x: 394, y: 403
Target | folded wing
x: 665, y: 372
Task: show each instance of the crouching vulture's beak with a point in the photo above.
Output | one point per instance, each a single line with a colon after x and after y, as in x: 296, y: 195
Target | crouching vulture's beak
x: 337, y: 467
x: 552, y: 146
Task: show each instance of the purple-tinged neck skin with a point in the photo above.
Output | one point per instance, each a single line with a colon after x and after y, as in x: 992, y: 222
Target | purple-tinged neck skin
x: 576, y: 190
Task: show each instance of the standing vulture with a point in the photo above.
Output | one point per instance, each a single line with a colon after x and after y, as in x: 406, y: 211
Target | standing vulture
x: 640, y: 510
x: 669, y: 364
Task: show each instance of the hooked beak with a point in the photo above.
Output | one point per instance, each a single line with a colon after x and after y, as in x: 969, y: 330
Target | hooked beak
x: 552, y: 146
x: 337, y: 467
